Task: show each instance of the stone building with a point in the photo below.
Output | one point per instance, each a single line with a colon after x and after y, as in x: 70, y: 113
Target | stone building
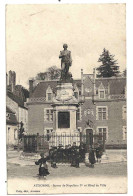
x: 89, y: 103
x: 11, y: 128
x: 16, y: 97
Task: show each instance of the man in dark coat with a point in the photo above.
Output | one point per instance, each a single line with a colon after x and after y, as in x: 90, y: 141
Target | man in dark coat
x: 98, y: 152
x: 60, y: 153
x: 82, y: 152
x: 69, y: 152
x: 92, y: 157
x: 74, y: 156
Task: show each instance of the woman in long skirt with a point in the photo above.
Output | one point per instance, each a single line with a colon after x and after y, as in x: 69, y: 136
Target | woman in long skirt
x: 43, y: 168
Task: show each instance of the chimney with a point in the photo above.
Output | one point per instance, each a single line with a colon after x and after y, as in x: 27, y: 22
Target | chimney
x: 108, y: 88
x: 12, y: 80
x: 94, y: 76
x: 10, y: 77
x: 30, y: 87
x: 82, y: 85
x: 6, y: 80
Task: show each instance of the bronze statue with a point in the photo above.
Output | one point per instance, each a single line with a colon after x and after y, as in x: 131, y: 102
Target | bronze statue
x: 66, y: 62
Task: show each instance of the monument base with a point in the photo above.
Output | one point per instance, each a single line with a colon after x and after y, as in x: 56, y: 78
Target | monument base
x: 65, y: 106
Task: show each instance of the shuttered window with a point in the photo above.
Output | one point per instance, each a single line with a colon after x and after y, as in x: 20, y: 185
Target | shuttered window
x: 48, y: 114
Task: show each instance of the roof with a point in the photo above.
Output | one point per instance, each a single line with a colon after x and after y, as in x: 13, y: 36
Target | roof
x: 15, y: 99
x: 78, y: 83
x: 116, y: 84
x: 40, y: 89
x: 11, y: 117
x: 8, y: 110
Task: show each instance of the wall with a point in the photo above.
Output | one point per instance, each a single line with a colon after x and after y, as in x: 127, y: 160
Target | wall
x: 87, y: 113
x: 23, y: 116
x: 36, y: 118
x: 13, y: 106
x: 11, y: 138
x: 114, y: 123
x: 87, y: 108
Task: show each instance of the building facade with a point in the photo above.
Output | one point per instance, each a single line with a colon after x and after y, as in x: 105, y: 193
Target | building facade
x: 97, y: 103
x: 16, y: 97
x: 11, y: 128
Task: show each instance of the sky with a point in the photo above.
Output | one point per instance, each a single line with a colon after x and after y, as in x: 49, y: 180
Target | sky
x: 35, y: 35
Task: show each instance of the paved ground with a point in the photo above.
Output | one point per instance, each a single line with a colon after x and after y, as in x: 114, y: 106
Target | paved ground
x: 111, y: 169
x: 103, y: 178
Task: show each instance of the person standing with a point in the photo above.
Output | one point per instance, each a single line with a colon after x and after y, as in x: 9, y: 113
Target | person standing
x: 54, y: 157
x: 92, y: 157
x: 43, y: 167
x: 74, y: 156
x: 98, y: 152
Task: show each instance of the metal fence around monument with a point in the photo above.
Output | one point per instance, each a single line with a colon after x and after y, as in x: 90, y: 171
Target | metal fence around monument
x: 62, y: 143
x: 39, y: 143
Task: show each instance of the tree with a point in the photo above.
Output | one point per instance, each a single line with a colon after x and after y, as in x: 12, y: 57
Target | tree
x: 125, y: 73
x: 52, y: 73
x: 108, y: 67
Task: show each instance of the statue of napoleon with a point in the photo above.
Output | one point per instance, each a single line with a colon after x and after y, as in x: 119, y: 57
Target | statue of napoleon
x: 66, y: 62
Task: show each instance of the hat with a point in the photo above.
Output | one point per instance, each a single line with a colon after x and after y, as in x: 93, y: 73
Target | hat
x: 60, y: 145
x: 65, y: 45
x: 42, y: 154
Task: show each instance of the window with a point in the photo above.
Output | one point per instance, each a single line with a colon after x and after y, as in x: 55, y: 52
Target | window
x: 7, y: 116
x: 102, y: 113
x: 49, y: 93
x: 79, y: 129
x: 102, y: 131
x: 124, y: 112
x: 76, y: 95
x: 101, y: 94
x: 49, y: 96
x: 48, y: 115
x: 124, y: 133
x: 78, y: 114
x: 15, y: 134
x: 106, y: 91
x: 47, y: 133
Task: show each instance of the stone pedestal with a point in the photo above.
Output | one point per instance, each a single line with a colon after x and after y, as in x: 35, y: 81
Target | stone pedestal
x: 65, y: 104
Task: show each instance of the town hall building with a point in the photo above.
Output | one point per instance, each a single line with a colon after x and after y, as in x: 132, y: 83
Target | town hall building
x: 92, y: 103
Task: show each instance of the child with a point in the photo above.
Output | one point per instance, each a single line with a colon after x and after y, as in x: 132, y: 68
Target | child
x: 43, y: 168
x: 54, y: 157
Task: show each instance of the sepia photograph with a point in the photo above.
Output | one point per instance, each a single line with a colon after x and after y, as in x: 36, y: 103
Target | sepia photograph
x: 66, y: 91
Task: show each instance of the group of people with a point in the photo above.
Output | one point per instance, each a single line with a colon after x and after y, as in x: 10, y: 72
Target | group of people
x: 72, y: 154
x: 67, y: 154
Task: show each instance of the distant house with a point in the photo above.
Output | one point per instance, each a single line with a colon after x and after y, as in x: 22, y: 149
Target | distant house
x: 16, y: 99
x: 11, y: 127
x: 16, y: 110
x: 17, y: 105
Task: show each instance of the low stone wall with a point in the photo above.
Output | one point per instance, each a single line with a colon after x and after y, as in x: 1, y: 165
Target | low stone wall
x: 116, y: 146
